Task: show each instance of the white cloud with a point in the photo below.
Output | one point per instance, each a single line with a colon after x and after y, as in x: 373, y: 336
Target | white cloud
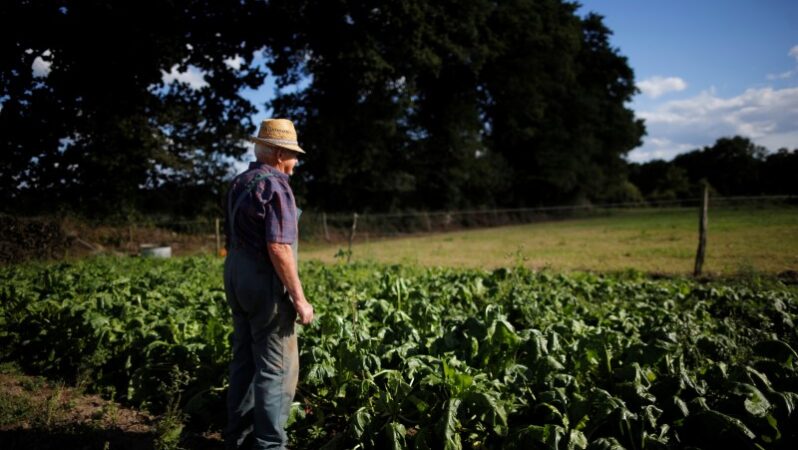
x: 657, y: 86
x: 781, y: 76
x: 659, y: 148
x: 193, y: 76
x: 773, y: 142
x: 768, y: 116
x: 234, y: 62
x: 40, y: 66
x: 788, y: 74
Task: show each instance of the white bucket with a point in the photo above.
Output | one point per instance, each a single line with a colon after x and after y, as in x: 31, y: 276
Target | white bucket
x: 155, y: 251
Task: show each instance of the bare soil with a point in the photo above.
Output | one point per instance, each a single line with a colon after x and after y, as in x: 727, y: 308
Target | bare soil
x: 39, y: 414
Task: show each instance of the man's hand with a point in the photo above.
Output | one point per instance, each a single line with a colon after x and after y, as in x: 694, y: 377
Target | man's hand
x: 282, y: 258
x: 304, y: 312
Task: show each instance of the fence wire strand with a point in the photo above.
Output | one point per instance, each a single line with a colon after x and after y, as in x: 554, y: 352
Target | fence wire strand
x: 317, y: 226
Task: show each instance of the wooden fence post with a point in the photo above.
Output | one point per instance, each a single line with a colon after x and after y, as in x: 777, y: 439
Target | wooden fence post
x: 351, y: 237
x: 427, y: 222
x: 324, y: 225
x: 218, y: 238
x: 702, y: 232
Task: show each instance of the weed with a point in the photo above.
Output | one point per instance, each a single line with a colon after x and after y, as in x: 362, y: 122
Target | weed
x: 14, y: 409
x: 169, y: 428
x: 10, y: 368
x: 53, y: 406
x: 32, y: 384
x: 110, y: 409
x: 343, y: 255
x: 518, y: 257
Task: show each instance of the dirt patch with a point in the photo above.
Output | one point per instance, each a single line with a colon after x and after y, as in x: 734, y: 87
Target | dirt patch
x: 36, y: 413
x: 789, y: 277
x: 42, y: 415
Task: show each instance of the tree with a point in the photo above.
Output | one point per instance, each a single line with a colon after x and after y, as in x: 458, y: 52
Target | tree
x: 778, y: 172
x: 557, y: 103
x: 392, y: 116
x: 351, y: 114
x: 733, y: 166
x: 408, y: 104
x: 660, y: 180
x: 102, y: 125
x: 454, y: 104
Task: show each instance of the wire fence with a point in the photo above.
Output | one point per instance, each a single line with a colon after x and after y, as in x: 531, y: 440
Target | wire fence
x: 317, y: 226
x: 205, y: 235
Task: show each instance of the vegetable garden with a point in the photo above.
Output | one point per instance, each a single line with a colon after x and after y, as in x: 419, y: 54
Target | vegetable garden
x: 405, y: 357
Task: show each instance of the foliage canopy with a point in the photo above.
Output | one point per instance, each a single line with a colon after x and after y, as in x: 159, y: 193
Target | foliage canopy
x: 408, y: 104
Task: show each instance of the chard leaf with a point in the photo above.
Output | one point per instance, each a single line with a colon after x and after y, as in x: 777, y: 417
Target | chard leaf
x: 448, y: 426
x: 605, y: 444
x: 358, y: 423
x: 395, y: 434
x: 776, y: 350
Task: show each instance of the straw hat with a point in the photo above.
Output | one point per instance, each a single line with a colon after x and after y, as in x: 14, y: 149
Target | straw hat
x: 278, y: 133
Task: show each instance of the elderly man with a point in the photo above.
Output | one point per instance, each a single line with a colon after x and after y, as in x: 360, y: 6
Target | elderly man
x: 263, y: 290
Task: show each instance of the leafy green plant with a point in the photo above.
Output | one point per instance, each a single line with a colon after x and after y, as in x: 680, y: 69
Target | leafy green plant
x: 405, y: 357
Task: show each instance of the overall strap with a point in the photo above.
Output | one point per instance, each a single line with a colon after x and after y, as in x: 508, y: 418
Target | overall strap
x: 233, y: 209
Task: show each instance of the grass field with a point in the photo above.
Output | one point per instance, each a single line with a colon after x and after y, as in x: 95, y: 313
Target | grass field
x: 740, y: 240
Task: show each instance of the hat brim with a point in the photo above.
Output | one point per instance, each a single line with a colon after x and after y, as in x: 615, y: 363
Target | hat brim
x: 293, y: 148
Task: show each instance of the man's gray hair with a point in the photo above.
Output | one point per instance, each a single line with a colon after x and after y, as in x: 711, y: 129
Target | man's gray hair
x: 262, y: 151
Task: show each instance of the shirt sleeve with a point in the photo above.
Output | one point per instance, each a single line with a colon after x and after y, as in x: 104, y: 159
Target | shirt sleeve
x: 281, y: 215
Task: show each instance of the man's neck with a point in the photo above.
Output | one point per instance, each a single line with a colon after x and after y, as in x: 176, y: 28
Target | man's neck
x: 276, y: 164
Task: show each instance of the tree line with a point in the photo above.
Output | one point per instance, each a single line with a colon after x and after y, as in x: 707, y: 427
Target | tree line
x: 732, y: 166
x: 400, y: 105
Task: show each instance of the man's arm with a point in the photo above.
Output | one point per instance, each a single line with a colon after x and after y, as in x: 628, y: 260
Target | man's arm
x: 282, y: 257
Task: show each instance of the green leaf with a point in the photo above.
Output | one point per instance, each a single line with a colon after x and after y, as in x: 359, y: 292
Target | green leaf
x: 448, y: 425
x: 754, y: 401
x: 773, y: 424
x: 784, y: 403
x: 456, y: 382
x: 776, y: 350
x: 605, y: 444
x: 421, y: 439
x: 486, y: 409
x: 706, y: 426
x: 651, y: 414
x: 550, y: 414
x: 678, y: 408
x: 395, y: 433
x: 533, y: 435
x: 576, y: 440
x: 358, y: 423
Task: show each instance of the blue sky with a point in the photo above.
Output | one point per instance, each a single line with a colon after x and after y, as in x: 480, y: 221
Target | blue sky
x: 706, y: 68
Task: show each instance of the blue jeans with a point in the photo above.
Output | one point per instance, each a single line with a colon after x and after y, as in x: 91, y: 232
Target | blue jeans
x: 265, y: 365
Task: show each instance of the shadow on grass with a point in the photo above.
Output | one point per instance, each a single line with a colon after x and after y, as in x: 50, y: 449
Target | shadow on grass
x: 74, y: 437
x: 85, y: 437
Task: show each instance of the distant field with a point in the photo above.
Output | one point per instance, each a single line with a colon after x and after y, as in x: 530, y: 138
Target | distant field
x: 740, y: 240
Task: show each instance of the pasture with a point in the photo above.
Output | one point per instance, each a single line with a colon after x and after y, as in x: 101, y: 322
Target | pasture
x: 740, y: 241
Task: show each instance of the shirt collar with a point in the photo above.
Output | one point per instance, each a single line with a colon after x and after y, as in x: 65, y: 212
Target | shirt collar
x: 263, y: 166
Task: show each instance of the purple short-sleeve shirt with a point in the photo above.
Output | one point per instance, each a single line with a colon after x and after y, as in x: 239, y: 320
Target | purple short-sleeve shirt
x: 266, y: 214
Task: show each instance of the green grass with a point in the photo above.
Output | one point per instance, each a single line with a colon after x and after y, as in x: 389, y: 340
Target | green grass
x: 740, y: 240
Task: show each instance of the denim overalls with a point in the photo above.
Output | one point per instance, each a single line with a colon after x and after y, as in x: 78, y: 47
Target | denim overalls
x: 265, y: 366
